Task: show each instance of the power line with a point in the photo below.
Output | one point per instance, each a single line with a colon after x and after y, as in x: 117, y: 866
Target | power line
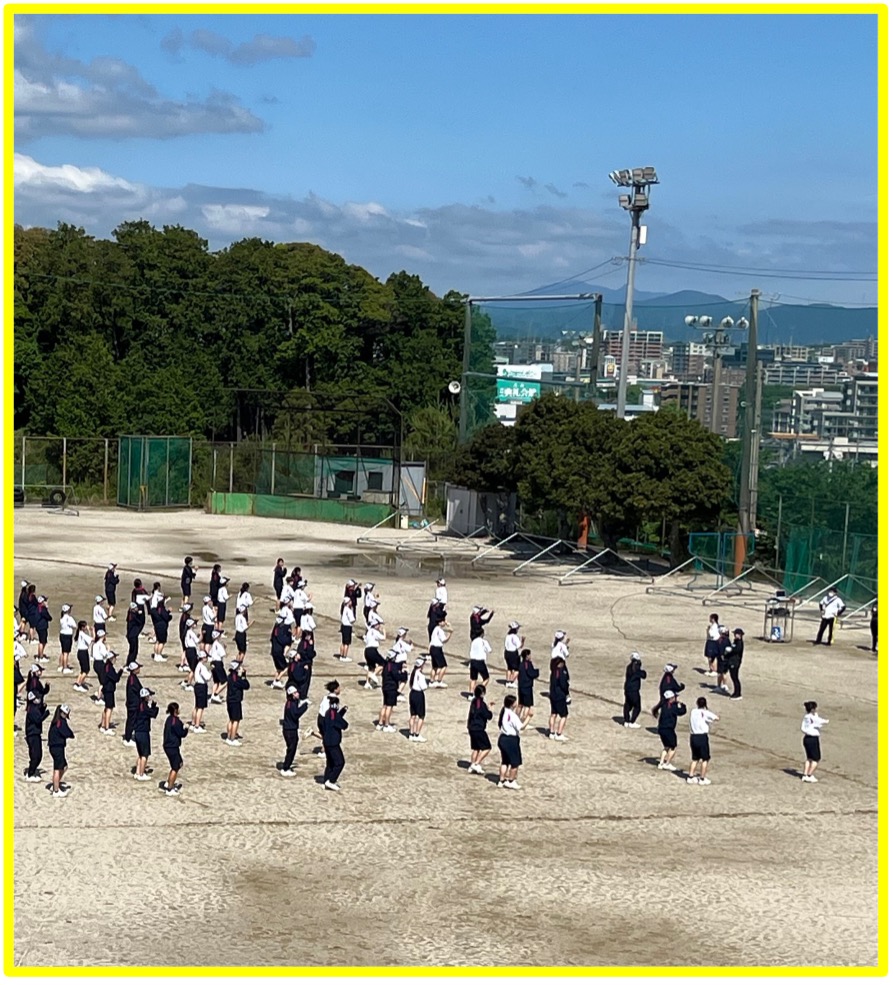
x: 836, y: 276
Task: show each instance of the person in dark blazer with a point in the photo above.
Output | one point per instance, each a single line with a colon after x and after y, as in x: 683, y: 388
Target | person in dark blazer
x: 290, y: 722
x: 35, y: 716
x: 334, y: 725
x: 111, y: 589
x: 142, y: 728
x: 479, y: 713
x: 237, y: 684
x: 174, y: 734
x: 632, y: 691
x: 559, y: 691
x: 667, y: 713
x: 57, y: 736
x: 110, y: 677
x: 187, y: 577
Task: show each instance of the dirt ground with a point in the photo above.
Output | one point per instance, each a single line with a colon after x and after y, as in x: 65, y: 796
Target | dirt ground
x: 599, y: 860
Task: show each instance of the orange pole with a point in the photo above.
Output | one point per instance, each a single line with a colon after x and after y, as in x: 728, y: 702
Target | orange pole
x: 583, y: 539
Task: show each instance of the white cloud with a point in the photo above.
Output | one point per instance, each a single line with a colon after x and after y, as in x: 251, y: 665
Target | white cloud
x: 67, y: 177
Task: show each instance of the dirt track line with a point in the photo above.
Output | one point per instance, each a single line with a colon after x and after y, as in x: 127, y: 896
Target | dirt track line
x: 567, y: 819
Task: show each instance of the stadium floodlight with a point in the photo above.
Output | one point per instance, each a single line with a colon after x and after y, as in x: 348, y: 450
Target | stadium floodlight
x: 727, y: 322
x: 640, y: 180
x: 691, y: 320
x: 705, y: 321
x: 743, y: 323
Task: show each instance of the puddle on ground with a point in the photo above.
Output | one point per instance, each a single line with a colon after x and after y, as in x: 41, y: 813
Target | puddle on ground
x: 403, y: 565
x: 209, y: 558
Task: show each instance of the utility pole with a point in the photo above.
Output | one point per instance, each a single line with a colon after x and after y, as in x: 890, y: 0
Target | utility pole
x: 750, y: 442
x: 466, y: 364
x: 640, y: 181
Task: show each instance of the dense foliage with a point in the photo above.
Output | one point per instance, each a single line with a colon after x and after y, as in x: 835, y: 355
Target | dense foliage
x: 149, y: 332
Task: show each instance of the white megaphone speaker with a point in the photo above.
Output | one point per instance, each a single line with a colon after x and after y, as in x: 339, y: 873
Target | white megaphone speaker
x: 455, y: 386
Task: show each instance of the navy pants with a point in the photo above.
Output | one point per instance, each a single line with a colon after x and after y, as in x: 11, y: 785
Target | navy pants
x: 291, y: 747
x: 334, y: 763
x: 35, y: 753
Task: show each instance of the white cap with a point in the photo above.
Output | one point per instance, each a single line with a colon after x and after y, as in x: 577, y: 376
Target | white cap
x: 291, y: 689
x: 133, y: 665
x: 669, y: 694
x: 65, y: 709
x: 560, y: 634
x: 35, y: 668
x: 145, y: 692
x: 31, y: 696
x: 346, y: 601
x: 190, y: 622
x: 477, y: 608
x: 669, y: 668
x: 635, y: 655
x: 420, y: 661
x: 24, y: 584
x: 207, y: 598
x: 112, y: 564
x: 133, y: 605
x: 441, y: 581
x: 41, y: 598
x: 514, y: 625
x: 202, y: 655
x: 369, y: 586
x: 100, y: 632
x: 66, y: 608
x: 98, y: 598
x: 402, y: 631
x: 350, y: 581
x: 215, y: 633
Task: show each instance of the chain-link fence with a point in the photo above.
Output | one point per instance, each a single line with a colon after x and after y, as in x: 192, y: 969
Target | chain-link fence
x: 84, y: 469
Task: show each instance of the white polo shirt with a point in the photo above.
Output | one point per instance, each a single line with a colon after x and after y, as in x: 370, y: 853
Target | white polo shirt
x: 700, y: 719
x: 513, y: 643
x: 373, y: 637
x: 511, y: 724
x: 438, y: 636
x: 479, y: 649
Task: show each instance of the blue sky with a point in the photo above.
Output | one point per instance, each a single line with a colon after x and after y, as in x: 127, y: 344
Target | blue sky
x: 470, y: 149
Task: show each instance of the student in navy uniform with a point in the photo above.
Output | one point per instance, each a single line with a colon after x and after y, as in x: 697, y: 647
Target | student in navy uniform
x: 161, y: 618
x: 42, y: 622
x: 333, y: 689
x: 23, y: 607
x: 479, y: 713
x: 290, y: 722
x: 111, y: 589
x: 132, y: 688
x: 136, y: 621
x: 478, y: 619
x: 31, y: 606
x: 67, y: 627
x: 722, y: 667
x: 110, y: 678
x: 872, y: 627
x: 35, y: 716
x: 236, y: 684
x: 512, y: 654
x: 18, y: 679
x: 418, y: 684
x: 58, y: 734
x: 306, y: 654
x: 527, y: 674
x: 280, y: 641
x: 632, y: 691
x: 187, y: 577
x: 334, y: 724
x: 279, y: 575
x: 142, y: 728
x: 392, y: 676
x: 348, y: 618
x: 436, y: 642
x: 667, y: 714
x: 174, y: 734
x: 222, y: 599
x: 182, y: 626
x: 559, y: 691
x: 510, y: 728
x: 668, y: 681
x: 214, y: 585
x: 139, y: 594
x: 99, y: 654
x: 34, y: 681
x: 734, y: 656
x: 436, y: 615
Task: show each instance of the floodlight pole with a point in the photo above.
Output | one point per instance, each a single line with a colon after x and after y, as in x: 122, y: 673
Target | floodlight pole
x: 750, y: 444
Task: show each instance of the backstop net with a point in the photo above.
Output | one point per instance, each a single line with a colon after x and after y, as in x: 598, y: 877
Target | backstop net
x: 154, y: 472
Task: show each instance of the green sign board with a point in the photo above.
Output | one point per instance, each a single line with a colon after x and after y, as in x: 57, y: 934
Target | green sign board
x: 516, y: 391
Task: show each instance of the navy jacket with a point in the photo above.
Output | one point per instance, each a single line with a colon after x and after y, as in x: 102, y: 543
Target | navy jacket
x: 478, y: 715
x: 633, y: 683
x: 333, y: 725
x: 174, y: 732
x: 35, y: 717
x: 111, y: 583
x: 392, y: 676
x: 235, y: 686
x: 110, y: 677
x: 670, y: 710
x: 527, y: 674
x: 559, y: 683
x: 42, y: 616
x: 144, y: 715
x: 59, y: 733
x: 669, y: 683
x: 734, y: 658
x: 291, y: 714
x: 132, y: 692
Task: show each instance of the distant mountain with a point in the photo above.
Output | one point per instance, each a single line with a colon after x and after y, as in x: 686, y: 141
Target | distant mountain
x: 812, y: 324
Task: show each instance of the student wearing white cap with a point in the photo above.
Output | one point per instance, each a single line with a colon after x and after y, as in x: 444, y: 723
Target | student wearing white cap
x: 216, y: 657
x: 142, y: 727
x: 35, y: 715
x: 110, y: 677
x: 308, y: 623
x: 811, y: 727
x: 353, y: 592
x: 632, y: 691
x: 18, y: 678
x: 392, y: 675
x: 185, y: 613
x: 110, y: 586
x: 370, y: 600
x: 438, y: 640
x: 510, y: 729
x: 237, y: 684
x: 290, y: 722
x: 512, y: 654
x: 373, y: 636
x: 700, y: 721
x: 478, y: 619
x: 190, y: 650
x: 58, y: 735
x: 477, y: 663
x: 67, y: 628
x: 99, y: 615
x: 209, y: 620
x: 222, y: 599
x: 402, y: 646
x: 348, y: 618
x: 418, y: 684
x: 99, y: 655
x: 82, y: 649
x: 200, y: 687
x: 667, y: 713
x: 133, y: 687
x: 174, y: 734
x: 560, y: 644
x: 42, y: 626
x: 440, y: 593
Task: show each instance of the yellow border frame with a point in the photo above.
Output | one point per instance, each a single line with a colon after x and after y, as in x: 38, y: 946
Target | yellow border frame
x: 880, y: 11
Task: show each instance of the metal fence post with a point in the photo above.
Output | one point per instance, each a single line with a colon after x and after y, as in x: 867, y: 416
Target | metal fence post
x: 64, y: 462
x: 231, y: 447
x: 24, y: 442
x: 105, y: 475
x: 273, y: 470
x: 214, y: 470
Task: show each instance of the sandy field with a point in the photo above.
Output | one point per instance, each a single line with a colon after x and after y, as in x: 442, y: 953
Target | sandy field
x: 599, y: 860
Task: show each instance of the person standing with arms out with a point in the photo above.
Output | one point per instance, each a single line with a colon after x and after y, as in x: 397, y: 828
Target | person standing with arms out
x: 187, y: 577
x: 214, y: 584
x: 279, y: 574
x: 392, y: 676
x: 831, y: 606
x: 174, y: 734
x: 333, y: 726
x: 510, y: 728
x: 142, y: 727
x: 477, y: 663
x: 136, y: 620
x: 438, y: 640
x: 370, y: 600
x: 236, y: 684
x: 632, y: 691
x: 559, y: 691
x: 132, y: 688
x: 241, y: 634
x: 872, y: 625
x: 512, y: 654
x: 190, y: 650
x: 67, y: 628
x: 35, y: 716
x: 82, y: 643
x: 216, y: 656
x: 527, y: 674
x: 667, y: 713
x: 111, y: 589
x: 161, y: 619
x: 734, y: 656
x: 99, y: 616
x: 348, y: 618
x: 290, y: 722
x: 699, y: 741
x: 209, y: 618
x: 712, y: 646
x: 811, y: 728
x: 59, y: 733
x: 200, y: 693
x: 110, y: 678
x: 99, y: 655
x: 418, y: 684
x: 373, y: 636
x: 479, y: 713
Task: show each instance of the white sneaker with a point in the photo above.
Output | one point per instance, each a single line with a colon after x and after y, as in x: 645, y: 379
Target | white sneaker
x: 471, y: 769
x: 142, y: 777
x: 67, y: 670
x: 626, y: 724
x: 512, y: 784
x: 60, y: 793
x: 159, y: 658
x: 368, y: 686
x: 552, y: 735
x: 279, y: 685
x: 331, y: 786
x: 379, y: 727
x: 560, y: 738
x: 287, y: 773
x: 710, y: 673
x: 666, y: 766
x: 500, y: 783
x: 321, y: 754
x: 442, y: 684
x: 345, y: 660
x: 401, y: 699
x: 173, y: 792
x: 809, y: 779
x: 692, y: 779
x: 112, y: 618
x: 198, y: 729
x: 216, y: 699
x: 634, y: 725
x: 478, y: 769
x: 389, y: 728
x: 32, y: 779
x: 233, y: 742
x: 420, y: 738
x: 129, y: 742
x: 704, y: 781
